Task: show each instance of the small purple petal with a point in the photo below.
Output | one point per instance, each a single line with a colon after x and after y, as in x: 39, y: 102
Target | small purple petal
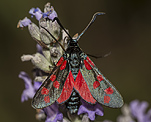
x: 37, y: 85
x: 45, y: 15
x: 26, y: 78
x: 58, y: 117
x: 91, y: 110
x: 148, y: 116
x: 29, y: 91
x: 31, y: 11
x: 53, y: 15
x: 50, y: 14
x: 25, y: 22
x: 39, y: 49
x: 38, y: 15
x: 53, y: 114
x: 36, y: 12
x: 138, y: 110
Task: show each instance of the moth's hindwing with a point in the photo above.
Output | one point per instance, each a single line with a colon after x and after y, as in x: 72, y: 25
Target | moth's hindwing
x: 52, y: 87
x: 101, y: 89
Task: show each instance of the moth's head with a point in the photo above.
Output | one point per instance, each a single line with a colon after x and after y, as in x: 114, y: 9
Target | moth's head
x: 74, y: 39
x: 73, y: 42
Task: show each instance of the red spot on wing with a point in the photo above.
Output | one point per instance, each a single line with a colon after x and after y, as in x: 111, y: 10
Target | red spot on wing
x: 87, y: 65
x: 81, y: 86
x: 52, y: 77
x: 67, y: 88
x: 60, y: 61
x: 106, y: 99
x: 56, y: 84
x: 99, y: 77
x: 109, y: 90
x: 44, y: 91
x: 89, y: 60
x: 63, y: 66
x: 47, y: 99
x: 96, y: 84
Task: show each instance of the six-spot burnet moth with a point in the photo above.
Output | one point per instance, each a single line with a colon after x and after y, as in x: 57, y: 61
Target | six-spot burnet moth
x: 75, y: 76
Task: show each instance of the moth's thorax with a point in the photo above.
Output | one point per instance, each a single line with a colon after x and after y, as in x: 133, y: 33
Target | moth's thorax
x: 74, y: 55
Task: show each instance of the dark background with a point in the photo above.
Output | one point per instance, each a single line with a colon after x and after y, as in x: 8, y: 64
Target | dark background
x: 125, y: 30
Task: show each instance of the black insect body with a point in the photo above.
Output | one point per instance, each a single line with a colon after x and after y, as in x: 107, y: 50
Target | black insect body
x: 73, y: 103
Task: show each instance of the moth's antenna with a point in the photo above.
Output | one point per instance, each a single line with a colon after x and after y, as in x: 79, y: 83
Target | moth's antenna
x: 58, y: 21
x: 53, y: 37
x: 92, y: 20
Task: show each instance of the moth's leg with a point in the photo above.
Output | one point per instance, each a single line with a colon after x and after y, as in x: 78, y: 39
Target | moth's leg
x: 101, y: 56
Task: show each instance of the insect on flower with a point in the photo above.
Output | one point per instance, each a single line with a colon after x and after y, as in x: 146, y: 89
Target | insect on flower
x: 75, y: 76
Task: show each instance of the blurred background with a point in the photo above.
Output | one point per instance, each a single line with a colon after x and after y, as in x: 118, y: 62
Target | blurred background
x: 125, y: 30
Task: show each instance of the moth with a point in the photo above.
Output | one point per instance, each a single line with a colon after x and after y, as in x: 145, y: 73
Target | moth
x: 76, y: 77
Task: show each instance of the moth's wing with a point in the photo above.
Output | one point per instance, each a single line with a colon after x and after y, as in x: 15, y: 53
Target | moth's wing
x: 52, y: 87
x: 101, y: 89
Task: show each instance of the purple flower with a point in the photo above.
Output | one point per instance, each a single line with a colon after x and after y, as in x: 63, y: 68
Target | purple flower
x: 53, y: 114
x: 23, y: 23
x: 91, y: 110
x: 138, y: 110
x: 39, y: 49
x: 37, y: 85
x: 36, y: 12
x: 148, y: 116
x: 51, y: 14
x: 29, y: 91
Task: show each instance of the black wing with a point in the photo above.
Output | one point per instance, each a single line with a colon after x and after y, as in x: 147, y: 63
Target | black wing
x: 52, y: 87
x: 101, y: 89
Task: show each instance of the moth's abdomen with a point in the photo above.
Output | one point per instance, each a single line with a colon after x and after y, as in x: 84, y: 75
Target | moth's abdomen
x: 73, y: 103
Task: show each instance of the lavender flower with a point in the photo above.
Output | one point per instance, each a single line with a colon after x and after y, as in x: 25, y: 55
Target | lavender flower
x: 23, y: 23
x: 48, y: 12
x: 29, y: 91
x: 45, y: 20
x: 138, y: 110
x: 91, y: 110
x: 36, y: 12
x: 126, y: 114
x: 37, y: 85
x: 135, y: 112
x: 53, y: 114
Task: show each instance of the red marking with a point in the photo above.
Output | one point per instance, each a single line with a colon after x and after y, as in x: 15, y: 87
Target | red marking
x: 47, y: 99
x: 109, y: 90
x: 60, y: 61
x: 81, y: 86
x: 99, y: 77
x: 96, y: 84
x: 52, y: 77
x: 44, y: 91
x: 67, y: 88
x: 87, y: 65
x: 89, y: 60
x: 56, y: 84
x: 63, y: 65
x: 106, y: 99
